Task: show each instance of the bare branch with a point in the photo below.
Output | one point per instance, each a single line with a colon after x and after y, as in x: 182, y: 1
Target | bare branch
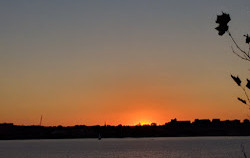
x: 245, y: 54
x: 244, y: 58
x: 245, y: 93
x: 243, y: 151
x: 248, y: 49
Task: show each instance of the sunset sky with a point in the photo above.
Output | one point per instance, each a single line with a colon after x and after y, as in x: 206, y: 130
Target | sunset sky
x: 120, y: 62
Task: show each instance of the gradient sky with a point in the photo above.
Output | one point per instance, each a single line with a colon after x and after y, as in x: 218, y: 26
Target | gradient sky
x: 87, y: 62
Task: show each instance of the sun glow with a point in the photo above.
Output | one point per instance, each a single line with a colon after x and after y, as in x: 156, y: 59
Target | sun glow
x: 144, y: 122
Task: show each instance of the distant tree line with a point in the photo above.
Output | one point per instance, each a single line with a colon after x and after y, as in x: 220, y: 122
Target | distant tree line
x: 173, y: 128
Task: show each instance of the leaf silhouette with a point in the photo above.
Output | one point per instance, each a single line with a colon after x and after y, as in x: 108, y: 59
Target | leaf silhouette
x: 222, y: 29
x: 242, y: 100
x: 222, y: 20
x: 247, y: 38
x: 248, y: 84
x: 236, y: 79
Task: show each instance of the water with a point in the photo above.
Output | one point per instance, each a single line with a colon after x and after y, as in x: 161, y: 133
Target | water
x: 179, y: 147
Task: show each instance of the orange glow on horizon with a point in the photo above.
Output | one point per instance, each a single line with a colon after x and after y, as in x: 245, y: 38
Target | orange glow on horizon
x: 144, y: 122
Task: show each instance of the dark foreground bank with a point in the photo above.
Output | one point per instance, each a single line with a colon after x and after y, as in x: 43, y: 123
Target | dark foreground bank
x: 172, y: 129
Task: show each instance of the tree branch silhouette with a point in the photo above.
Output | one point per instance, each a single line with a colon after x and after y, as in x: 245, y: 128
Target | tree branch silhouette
x: 244, y: 58
x: 223, y: 28
x: 246, y: 55
x: 243, y: 151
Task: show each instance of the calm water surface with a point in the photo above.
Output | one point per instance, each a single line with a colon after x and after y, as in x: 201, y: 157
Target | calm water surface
x: 180, y: 147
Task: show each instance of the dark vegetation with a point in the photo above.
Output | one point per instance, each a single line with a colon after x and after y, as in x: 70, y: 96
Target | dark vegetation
x: 172, y: 129
x: 223, y: 20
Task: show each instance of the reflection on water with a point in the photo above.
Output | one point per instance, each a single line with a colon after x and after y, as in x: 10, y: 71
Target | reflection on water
x: 179, y: 147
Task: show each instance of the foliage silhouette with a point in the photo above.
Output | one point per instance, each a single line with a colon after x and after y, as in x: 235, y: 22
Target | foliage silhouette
x: 248, y: 84
x: 243, y: 101
x: 223, y: 28
x: 236, y: 79
x: 222, y: 20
